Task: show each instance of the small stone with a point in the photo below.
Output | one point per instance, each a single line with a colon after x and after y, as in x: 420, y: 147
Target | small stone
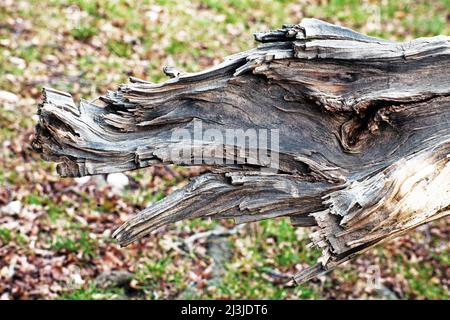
x: 12, y: 208
x: 118, y: 181
x: 99, y: 181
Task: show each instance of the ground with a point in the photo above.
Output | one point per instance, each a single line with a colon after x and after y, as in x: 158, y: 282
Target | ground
x: 55, y: 233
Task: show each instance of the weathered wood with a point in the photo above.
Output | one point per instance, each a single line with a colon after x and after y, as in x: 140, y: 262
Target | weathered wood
x: 364, y: 136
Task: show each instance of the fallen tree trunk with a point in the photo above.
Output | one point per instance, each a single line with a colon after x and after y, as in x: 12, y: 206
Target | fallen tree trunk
x: 359, y: 137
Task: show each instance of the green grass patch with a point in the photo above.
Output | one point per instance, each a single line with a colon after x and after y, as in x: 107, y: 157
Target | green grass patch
x: 8, y: 236
x: 5, y: 236
x: 76, y: 243
x: 91, y: 292
x: 119, y: 48
x: 84, y: 33
x: 152, y: 274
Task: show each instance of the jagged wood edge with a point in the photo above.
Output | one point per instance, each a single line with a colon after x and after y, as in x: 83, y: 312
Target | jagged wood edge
x: 359, y: 107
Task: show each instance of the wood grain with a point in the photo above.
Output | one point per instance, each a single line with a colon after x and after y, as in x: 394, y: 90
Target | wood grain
x: 364, y: 136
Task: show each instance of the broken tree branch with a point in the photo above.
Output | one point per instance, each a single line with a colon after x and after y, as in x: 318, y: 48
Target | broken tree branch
x: 363, y: 129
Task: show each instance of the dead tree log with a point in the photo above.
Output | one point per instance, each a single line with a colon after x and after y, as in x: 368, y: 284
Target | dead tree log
x: 362, y: 137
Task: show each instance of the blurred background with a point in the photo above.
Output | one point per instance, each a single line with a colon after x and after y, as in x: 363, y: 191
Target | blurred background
x: 55, y: 233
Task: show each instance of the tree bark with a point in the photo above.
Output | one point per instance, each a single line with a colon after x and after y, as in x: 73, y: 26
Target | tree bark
x: 363, y: 130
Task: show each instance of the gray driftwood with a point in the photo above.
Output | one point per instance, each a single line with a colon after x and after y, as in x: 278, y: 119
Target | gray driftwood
x: 364, y: 136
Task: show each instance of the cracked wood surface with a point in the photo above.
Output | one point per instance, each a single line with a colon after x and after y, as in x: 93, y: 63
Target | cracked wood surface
x: 364, y: 136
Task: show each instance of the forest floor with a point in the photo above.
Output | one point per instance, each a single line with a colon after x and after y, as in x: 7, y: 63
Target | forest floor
x: 55, y: 233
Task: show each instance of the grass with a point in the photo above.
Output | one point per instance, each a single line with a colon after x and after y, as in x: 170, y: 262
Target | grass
x: 91, y: 292
x: 422, y: 281
x: 5, y: 236
x: 78, y: 242
x: 8, y: 236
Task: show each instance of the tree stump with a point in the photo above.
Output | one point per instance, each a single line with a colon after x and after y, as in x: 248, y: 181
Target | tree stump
x: 359, y: 132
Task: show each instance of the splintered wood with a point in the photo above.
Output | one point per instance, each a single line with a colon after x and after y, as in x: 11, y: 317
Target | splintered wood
x: 362, y: 128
